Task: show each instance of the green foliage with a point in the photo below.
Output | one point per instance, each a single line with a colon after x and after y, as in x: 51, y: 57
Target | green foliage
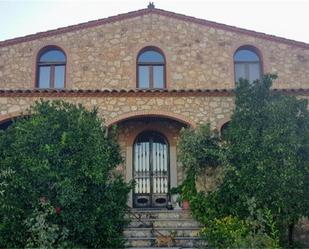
x: 61, y: 153
x: 199, y: 148
x: 222, y: 230
x: 186, y: 189
x: 266, y: 168
x: 206, y: 208
x: 263, y: 231
x: 43, y: 233
x: 258, y: 230
x: 267, y: 145
x: 227, y: 232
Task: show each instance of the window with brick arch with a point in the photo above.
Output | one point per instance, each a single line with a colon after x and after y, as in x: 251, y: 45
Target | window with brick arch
x: 223, y: 130
x: 247, y: 64
x: 51, y: 68
x: 151, y: 68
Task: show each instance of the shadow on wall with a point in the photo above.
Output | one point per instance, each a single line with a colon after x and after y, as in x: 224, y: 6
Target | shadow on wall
x: 4, y: 125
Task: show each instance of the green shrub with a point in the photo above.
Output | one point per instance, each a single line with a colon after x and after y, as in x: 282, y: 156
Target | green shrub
x: 264, y: 157
x: 231, y: 232
x: 64, y: 154
x: 42, y: 232
x: 268, y: 149
x: 199, y: 148
x: 227, y: 232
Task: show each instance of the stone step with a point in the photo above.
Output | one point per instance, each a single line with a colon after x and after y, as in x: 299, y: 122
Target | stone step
x: 157, y: 223
x: 162, y: 247
x: 147, y: 225
x: 148, y: 232
x: 160, y: 214
x: 183, y: 242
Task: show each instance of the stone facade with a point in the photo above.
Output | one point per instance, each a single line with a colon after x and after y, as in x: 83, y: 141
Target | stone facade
x: 102, y: 54
x: 198, y: 56
x: 190, y: 109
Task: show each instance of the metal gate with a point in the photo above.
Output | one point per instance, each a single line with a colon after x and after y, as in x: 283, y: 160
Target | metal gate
x: 151, y: 170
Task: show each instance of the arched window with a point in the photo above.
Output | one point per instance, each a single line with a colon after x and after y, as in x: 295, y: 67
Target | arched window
x: 223, y: 130
x: 51, y: 68
x: 247, y: 64
x: 151, y: 69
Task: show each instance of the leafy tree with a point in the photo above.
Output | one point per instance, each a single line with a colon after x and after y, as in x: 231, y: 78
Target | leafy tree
x: 200, y: 148
x: 62, y: 154
x: 200, y: 151
x: 265, y: 154
x: 268, y: 151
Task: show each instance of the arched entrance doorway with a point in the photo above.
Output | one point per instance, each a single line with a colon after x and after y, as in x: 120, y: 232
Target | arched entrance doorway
x: 151, y: 170
x: 8, y: 121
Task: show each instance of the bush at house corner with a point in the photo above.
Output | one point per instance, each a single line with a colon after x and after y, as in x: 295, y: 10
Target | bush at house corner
x: 262, y: 191
x: 57, y: 184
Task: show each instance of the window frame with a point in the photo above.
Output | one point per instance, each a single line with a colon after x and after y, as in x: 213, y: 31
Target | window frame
x: 150, y: 66
x: 247, y: 63
x: 52, y: 66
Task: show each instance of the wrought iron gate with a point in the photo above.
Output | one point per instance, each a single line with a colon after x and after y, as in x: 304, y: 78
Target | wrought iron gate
x: 151, y: 170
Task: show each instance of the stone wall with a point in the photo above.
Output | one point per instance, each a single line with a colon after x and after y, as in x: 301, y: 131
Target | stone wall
x: 302, y: 232
x: 189, y: 109
x: 209, y: 179
x: 198, y: 56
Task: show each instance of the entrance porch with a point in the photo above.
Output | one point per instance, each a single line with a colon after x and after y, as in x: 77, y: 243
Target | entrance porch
x: 149, y: 148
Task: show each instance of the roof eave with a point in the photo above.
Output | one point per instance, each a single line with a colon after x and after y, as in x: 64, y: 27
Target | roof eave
x: 134, y: 92
x: 142, y: 12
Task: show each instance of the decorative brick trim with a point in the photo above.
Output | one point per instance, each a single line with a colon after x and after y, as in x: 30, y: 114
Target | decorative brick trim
x: 39, y: 48
x: 154, y: 127
x: 161, y: 12
x: 113, y: 92
x: 167, y: 57
x: 9, y: 116
x: 133, y: 92
x: 159, y: 48
x: 123, y: 117
x: 264, y: 63
x: 162, y: 114
x: 232, y: 28
x: 222, y: 122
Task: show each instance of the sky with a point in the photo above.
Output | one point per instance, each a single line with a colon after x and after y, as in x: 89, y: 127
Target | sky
x: 285, y: 18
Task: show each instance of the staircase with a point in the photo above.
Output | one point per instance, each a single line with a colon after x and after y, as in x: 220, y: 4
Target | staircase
x: 148, y: 224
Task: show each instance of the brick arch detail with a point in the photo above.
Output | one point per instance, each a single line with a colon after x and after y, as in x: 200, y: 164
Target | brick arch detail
x: 222, y: 122
x: 262, y: 53
x: 39, y: 47
x: 9, y: 116
x: 167, y: 55
x: 164, y: 114
x: 157, y: 128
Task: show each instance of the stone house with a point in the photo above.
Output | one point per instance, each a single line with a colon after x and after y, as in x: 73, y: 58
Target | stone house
x: 151, y: 72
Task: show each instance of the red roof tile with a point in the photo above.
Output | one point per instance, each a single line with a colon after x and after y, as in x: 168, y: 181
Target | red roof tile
x: 154, y: 11
x: 120, y: 92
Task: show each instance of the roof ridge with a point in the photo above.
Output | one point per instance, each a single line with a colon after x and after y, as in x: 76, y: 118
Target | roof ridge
x: 141, y: 12
x: 236, y: 29
x: 83, y: 25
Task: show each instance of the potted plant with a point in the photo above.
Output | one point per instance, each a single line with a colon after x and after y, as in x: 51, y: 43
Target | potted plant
x: 185, y: 205
x: 178, y: 198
